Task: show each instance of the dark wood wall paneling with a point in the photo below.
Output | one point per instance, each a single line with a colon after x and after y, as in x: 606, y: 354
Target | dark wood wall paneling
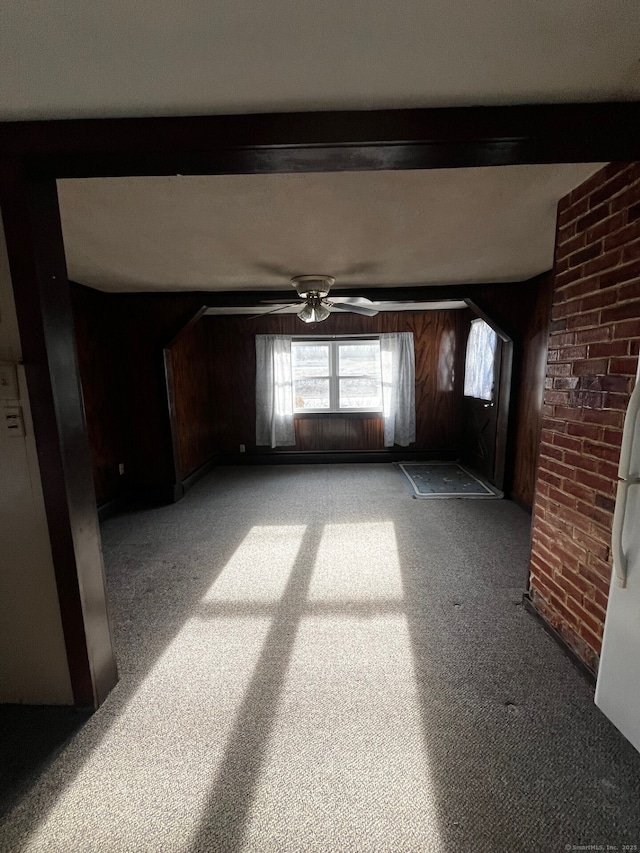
x: 143, y: 324
x: 100, y: 359
x: 149, y: 322
x: 120, y: 340
x: 196, y: 404
x: 527, y: 407
x: 522, y: 312
x: 439, y: 340
x: 347, y: 433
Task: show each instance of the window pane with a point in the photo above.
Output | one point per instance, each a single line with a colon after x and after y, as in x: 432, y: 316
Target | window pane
x: 311, y: 393
x: 359, y: 359
x: 362, y: 392
x: 310, y: 360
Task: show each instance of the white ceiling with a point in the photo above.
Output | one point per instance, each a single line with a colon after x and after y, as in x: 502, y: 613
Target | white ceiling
x: 365, y: 228
x: 156, y: 57
x: 159, y: 57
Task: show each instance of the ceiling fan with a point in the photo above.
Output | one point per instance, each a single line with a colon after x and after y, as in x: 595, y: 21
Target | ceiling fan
x: 314, y: 290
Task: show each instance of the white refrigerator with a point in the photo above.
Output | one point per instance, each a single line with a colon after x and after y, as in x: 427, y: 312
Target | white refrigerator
x: 618, y: 685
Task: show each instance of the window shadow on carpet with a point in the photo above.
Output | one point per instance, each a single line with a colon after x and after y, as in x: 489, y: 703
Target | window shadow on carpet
x: 225, y: 817
x: 30, y: 739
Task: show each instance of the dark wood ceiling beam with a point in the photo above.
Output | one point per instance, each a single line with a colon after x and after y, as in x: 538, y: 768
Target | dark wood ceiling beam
x: 327, y: 141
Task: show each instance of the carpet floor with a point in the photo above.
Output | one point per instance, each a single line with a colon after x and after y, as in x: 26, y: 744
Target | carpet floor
x: 312, y: 660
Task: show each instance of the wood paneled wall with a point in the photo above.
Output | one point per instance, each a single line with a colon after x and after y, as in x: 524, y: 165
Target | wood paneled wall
x: 522, y: 312
x: 150, y: 321
x: 120, y: 343
x: 439, y: 338
x: 340, y: 433
x: 100, y: 363
x: 196, y: 406
x: 527, y: 407
x: 119, y: 339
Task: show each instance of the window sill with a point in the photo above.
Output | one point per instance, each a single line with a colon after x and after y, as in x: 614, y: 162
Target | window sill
x: 305, y: 415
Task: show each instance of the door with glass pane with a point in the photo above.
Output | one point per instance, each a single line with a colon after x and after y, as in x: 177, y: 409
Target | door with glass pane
x: 481, y: 384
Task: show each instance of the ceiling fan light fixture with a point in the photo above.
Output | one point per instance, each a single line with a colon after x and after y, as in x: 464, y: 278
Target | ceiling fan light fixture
x: 322, y: 312
x: 306, y: 314
x: 311, y: 313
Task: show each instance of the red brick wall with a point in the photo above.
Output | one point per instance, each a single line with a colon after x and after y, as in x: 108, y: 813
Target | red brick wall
x: 591, y: 365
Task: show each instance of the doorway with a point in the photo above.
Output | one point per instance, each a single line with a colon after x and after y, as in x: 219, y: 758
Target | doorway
x: 487, y: 391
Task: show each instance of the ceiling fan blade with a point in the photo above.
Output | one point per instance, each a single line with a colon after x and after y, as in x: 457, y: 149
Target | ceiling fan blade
x: 353, y: 300
x: 273, y: 311
x: 355, y: 309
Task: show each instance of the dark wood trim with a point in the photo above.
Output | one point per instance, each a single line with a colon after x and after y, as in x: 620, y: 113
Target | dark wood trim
x: 187, y: 322
x: 299, y: 457
x: 200, y: 472
x: 110, y: 508
x: 530, y: 607
x: 504, y: 409
x: 484, y: 313
x: 38, y: 270
x: 520, y: 503
x: 429, y: 138
x: 143, y: 496
x: 173, y: 417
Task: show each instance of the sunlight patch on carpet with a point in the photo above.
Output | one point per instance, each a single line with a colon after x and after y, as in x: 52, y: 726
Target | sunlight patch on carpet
x: 347, y: 751
x: 357, y: 562
x: 260, y: 568
x: 156, y: 765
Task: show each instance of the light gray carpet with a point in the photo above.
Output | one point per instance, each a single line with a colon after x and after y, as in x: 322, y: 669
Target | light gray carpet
x: 312, y: 660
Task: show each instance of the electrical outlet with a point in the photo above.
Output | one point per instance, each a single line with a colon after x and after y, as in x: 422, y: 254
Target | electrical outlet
x: 242, y: 448
x: 121, y: 468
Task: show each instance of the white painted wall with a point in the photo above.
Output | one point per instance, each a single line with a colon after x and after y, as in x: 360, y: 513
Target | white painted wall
x: 33, y: 660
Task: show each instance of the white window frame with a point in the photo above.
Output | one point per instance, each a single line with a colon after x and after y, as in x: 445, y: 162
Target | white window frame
x: 334, y: 378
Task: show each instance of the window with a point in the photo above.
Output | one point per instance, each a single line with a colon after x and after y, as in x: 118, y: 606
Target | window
x: 369, y: 374
x: 335, y: 376
x: 480, y: 361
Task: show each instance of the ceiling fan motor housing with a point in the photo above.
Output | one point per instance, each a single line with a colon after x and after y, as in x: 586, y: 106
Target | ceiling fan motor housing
x: 317, y: 286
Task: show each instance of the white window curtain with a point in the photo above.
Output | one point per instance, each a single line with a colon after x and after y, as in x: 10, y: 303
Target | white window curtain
x: 398, y: 388
x: 274, y: 391
x: 479, y: 362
